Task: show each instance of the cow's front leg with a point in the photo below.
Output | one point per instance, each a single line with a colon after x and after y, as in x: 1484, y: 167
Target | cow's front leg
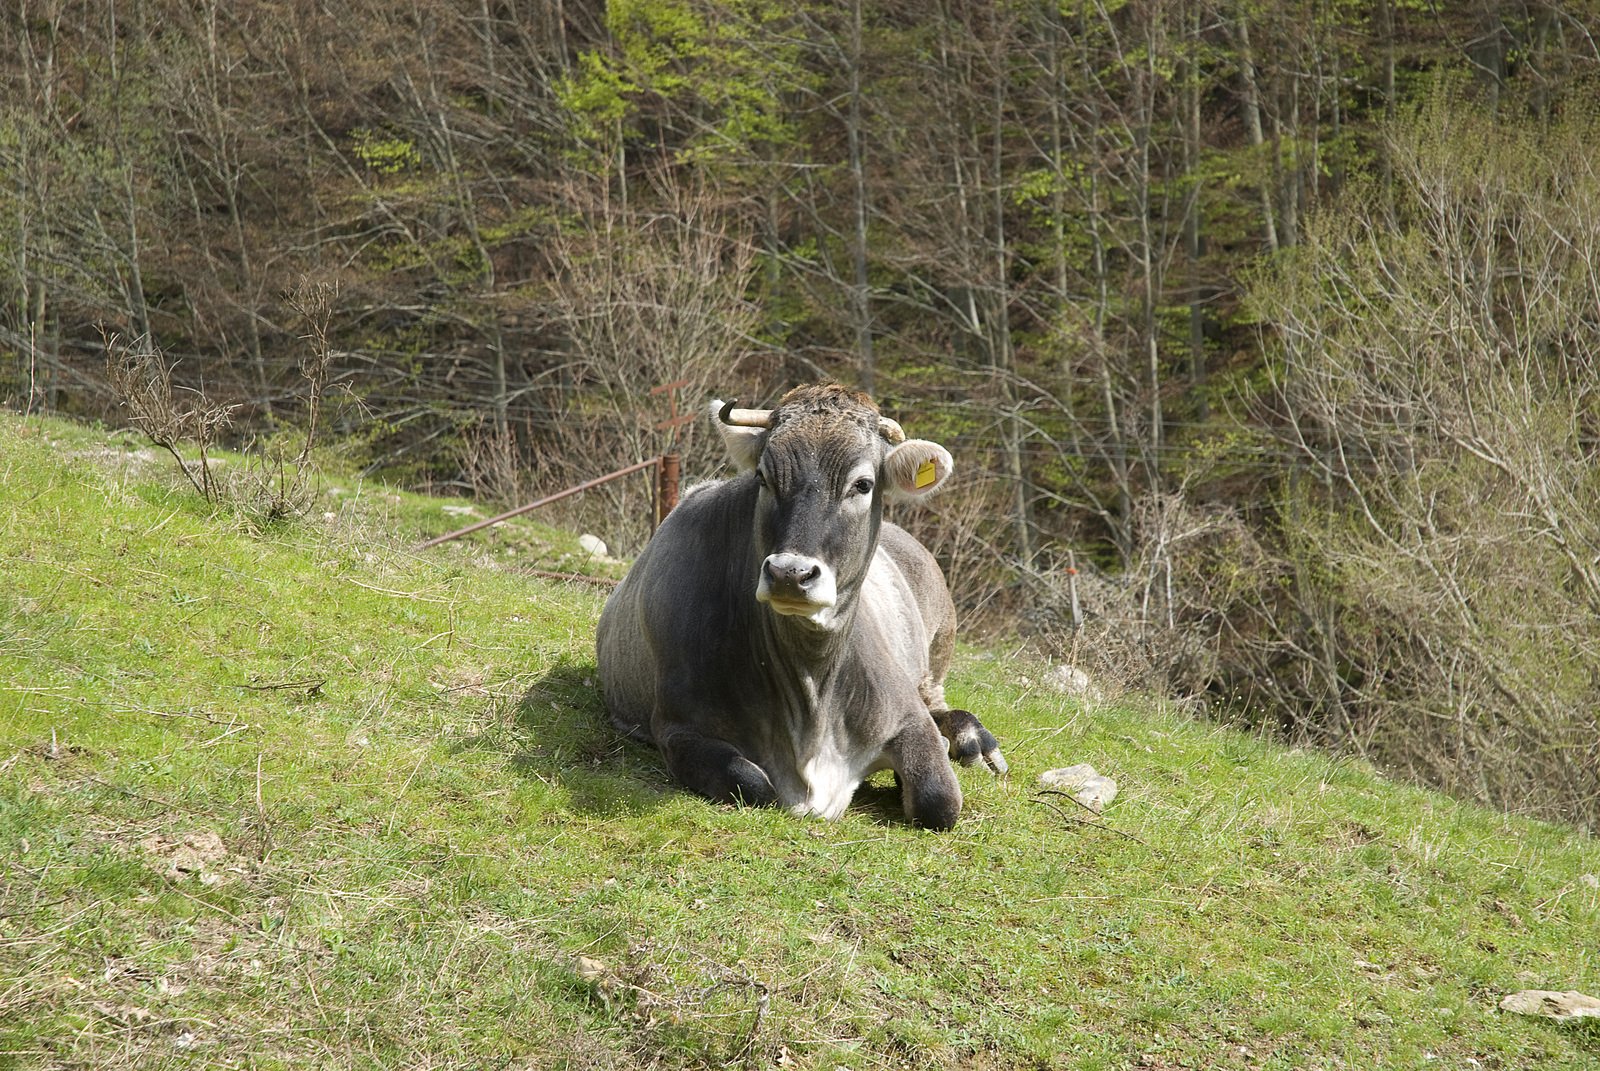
x: 969, y: 741
x: 715, y: 769
x: 929, y: 791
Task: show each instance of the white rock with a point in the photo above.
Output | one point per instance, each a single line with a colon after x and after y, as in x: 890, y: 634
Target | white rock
x: 1070, y: 680
x: 590, y: 969
x: 460, y: 511
x: 1551, y: 1005
x: 1083, y: 783
x: 593, y: 544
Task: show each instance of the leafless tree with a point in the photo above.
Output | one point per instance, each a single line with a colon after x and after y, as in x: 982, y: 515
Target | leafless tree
x: 1441, y: 381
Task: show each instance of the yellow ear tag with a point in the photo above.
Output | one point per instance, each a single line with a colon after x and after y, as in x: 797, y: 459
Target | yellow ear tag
x: 925, y: 475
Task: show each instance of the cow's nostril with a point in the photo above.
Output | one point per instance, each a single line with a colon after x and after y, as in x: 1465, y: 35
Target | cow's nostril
x: 793, y: 571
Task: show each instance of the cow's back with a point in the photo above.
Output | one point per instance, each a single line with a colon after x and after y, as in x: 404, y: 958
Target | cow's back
x: 932, y: 596
x: 677, y: 592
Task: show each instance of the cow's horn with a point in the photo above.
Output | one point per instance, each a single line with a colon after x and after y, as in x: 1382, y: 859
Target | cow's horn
x: 890, y: 430
x: 745, y: 418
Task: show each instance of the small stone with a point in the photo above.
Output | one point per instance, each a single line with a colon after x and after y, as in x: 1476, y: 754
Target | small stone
x: 1070, y: 680
x: 1551, y: 1004
x: 1589, y: 881
x: 196, y: 855
x: 593, y: 545
x: 591, y: 969
x: 606, y: 984
x: 1083, y: 783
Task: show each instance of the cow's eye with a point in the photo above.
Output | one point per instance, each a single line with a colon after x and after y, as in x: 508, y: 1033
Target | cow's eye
x: 862, y: 486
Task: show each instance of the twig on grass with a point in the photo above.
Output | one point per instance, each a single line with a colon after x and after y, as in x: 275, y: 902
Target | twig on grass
x: 263, y: 831
x: 420, y: 596
x: 575, y: 578
x: 312, y: 685
x: 1077, y: 821
x: 229, y: 731
x: 230, y: 723
x: 32, y: 909
x: 763, y: 999
x: 131, y: 793
x: 1070, y: 796
x: 632, y: 992
x: 394, y: 813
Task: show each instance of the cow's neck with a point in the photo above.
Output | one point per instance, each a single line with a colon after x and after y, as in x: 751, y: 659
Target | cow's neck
x: 811, y: 672
x: 804, y: 651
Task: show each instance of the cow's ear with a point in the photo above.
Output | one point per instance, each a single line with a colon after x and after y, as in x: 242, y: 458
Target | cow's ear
x: 917, y: 468
x: 743, y: 444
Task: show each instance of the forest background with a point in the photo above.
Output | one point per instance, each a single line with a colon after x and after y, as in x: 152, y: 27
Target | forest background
x: 1266, y: 334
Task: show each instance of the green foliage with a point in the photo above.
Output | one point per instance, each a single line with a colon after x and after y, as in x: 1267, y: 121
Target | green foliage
x: 724, y: 68
x: 384, y: 153
x: 597, y: 96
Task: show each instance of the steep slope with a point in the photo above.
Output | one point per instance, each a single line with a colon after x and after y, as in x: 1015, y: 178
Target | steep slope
x: 305, y: 798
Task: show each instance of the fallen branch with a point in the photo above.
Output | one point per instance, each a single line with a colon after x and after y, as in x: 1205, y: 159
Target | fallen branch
x: 1075, y: 820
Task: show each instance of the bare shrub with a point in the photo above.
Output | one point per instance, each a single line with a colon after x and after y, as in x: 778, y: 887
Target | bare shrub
x: 1440, y: 610
x: 666, y: 307
x: 279, y: 479
x: 493, y: 464
x: 314, y: 300
x: 1157, y: 626
x: 168, y: 416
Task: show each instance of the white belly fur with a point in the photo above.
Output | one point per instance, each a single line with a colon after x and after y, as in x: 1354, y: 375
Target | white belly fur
x: 830, y: 774
x: 831, y: 781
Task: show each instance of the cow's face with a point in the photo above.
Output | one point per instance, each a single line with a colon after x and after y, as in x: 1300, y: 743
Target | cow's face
x: 823, y: 467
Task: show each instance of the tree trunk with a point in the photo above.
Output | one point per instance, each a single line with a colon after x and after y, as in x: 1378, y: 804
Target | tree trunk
x: 860, y: 296
x: 1191, y: 218
x: 1250, y: 109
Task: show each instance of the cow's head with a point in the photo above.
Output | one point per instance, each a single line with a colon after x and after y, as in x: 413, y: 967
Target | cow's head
x: 824, y: 459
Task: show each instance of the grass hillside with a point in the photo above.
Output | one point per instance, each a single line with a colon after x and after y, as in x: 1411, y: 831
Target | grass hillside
x: 298, y: 797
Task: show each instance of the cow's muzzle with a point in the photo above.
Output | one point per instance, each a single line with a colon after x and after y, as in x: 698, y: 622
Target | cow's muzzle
x: 796, y: 584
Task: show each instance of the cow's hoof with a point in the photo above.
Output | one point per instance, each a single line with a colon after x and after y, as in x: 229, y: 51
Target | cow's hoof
x: 935, y: 810
x: 930, y: 806
x: 716, y: 770
x: 970, y: 742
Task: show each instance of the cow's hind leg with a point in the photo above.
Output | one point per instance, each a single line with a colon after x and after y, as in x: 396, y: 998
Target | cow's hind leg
x: 969, y: 741
x: 716, y: 769
x: 928, y: 787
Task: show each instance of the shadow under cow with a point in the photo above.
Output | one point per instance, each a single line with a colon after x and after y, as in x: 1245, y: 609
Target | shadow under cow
x: 562, y: 736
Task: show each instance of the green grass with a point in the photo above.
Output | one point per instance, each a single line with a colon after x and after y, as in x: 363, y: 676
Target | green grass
x: 301, y: 797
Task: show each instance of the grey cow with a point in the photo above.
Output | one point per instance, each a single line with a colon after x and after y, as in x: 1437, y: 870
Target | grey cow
x: 778, y: 640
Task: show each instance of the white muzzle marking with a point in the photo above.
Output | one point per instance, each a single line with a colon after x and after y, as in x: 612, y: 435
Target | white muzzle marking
x: 805, y: 587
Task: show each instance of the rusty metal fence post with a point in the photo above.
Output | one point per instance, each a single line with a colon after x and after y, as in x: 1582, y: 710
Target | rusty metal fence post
x: 666, y: 487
